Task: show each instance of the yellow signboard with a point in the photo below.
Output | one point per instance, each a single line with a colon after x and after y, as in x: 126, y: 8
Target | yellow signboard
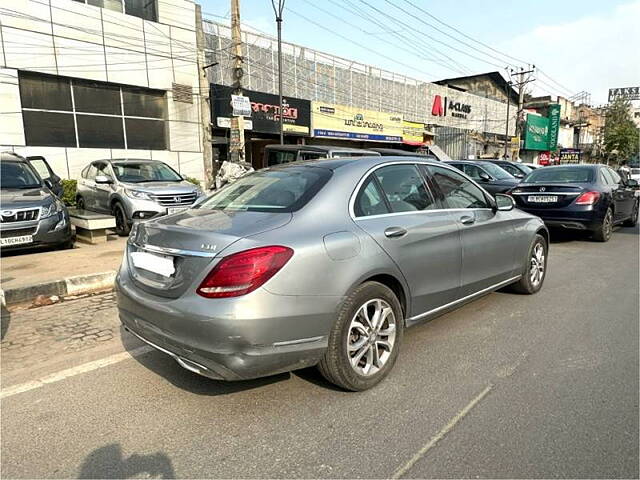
x: 342, y: 121
x: 413, y: 132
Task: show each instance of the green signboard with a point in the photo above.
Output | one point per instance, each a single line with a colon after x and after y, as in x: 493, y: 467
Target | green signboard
x: 536, y: 133
x: 554, y: 126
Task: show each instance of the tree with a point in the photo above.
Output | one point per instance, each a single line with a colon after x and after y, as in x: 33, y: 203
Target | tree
x: 621, y: 136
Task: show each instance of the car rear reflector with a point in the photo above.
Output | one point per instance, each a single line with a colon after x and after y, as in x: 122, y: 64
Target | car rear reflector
x: 243, y: 272
x: 588, y: 198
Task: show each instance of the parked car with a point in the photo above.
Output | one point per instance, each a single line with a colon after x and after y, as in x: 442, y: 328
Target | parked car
x: 582, y: 197
x: 279, y: 154
x: 396, y: 152
x: 518, y: 170
x: 635, y: 173
x: 492, y: 178
x: 31, y: 215
x: 133, y: 189
x: 45, y: 172
x: 532, y: 166
x: 250, y: 283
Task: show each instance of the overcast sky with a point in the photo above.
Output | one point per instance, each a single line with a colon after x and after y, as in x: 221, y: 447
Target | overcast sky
x: 578, y: 45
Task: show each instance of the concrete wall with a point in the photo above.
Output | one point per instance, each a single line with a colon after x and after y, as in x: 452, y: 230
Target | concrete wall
x: 67, y: 38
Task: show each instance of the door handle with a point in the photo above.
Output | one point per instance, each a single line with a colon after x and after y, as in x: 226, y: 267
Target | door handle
x: 395, y: 232
x: 467, y: 220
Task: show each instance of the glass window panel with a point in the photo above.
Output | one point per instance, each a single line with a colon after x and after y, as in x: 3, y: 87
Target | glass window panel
x: 458, y: 192
x: 145, y: 134
x: 95, y: 97
x: 369, y: 201
x: 96, y: 3
x: 115, y: 5
x: 41, y: 167
x: 49, y: 129
x: 141, y: 8
x: 45, y: 92
x: 404, y: 188
x: 139, y: 103
x: 100, y: 132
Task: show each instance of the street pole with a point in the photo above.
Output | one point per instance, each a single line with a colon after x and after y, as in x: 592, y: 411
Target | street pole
x: 521, y: 84
x: 278, y: 11
x: 236, y: 140
x: 205, y: 106
x: 506, y: 131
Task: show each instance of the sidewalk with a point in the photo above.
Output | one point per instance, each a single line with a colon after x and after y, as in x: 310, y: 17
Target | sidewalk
x: 25, y: 275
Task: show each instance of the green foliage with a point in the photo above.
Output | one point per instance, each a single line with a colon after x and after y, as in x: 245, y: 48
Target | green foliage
x: 193, y: 180
x: 620, y: 132
x: 69, y: 192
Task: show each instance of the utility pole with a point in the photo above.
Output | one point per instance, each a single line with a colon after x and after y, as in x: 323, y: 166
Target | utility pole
x: 278, y: 11
x: 521, y: 84
x: 236, y: 140
x: 506, y: 130
x: 205, y: 106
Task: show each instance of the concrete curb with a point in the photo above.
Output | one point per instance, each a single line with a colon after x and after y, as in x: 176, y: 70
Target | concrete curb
x: 78, y: 285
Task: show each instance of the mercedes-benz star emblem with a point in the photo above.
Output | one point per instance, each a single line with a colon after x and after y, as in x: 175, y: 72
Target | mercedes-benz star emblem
x: 542, y: 189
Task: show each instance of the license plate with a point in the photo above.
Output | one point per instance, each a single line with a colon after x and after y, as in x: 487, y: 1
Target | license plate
x: 16, y: 240
x: 542, y: 198
x: 153, y: 263
x: 175, y: 210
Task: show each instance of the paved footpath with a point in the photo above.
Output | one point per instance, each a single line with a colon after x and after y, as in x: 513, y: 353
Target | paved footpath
x: 510, y: 386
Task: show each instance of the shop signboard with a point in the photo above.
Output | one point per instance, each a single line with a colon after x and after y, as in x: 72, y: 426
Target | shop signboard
x: 341, y: 121
x: 554, y: 125
x: 413, y: 132
x: 265, y: 113
x: 536, y: 135
x: 628, y: 93
x: 570, y: 155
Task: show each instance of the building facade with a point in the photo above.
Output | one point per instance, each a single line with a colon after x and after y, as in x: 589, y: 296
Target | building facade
x: 82, y: 80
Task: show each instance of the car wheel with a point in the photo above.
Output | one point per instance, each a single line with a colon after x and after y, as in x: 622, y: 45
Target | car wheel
x: 122, y: 223
x: 365, y: 339
x: 603, y: 233
x: 80, y: 203
x: 535, y: 269
x: 631, y: 221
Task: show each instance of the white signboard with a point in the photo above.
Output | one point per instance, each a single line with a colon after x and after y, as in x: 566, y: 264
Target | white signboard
x: 225, y: 122
x: 241, y: 106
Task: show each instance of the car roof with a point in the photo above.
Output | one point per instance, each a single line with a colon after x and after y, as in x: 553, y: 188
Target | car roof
x: 473, y: 162
x: 577, y: 165
x: 365, y: 162
x: 400, y: 153
x: 11, y: 157
x: 137, y: 160
x: 315, y: 148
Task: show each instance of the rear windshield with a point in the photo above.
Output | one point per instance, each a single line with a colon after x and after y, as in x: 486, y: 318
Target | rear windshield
x: 560, y: 175
x: 496, y: 172
x: 279, y: 190
x: 18, y: 175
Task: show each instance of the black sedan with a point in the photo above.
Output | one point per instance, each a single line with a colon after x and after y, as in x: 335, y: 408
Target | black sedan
x: 516, y: 169
x: 493, y: 178
x: 583, y: 197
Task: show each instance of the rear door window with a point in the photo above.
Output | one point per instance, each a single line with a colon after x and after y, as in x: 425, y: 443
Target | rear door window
x: 472, y: 170
x: 404, y: 188
x: 614, y: 176
x: 275, y: 157
x: 370, y: 200
x: 457, y: 191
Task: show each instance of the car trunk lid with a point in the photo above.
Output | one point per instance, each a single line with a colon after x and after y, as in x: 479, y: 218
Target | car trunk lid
x: 167, y: 255
x: 549, y: 195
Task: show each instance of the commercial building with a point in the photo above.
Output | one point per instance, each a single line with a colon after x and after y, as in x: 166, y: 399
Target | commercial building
x: 353, y: 103
x: 88, y: 79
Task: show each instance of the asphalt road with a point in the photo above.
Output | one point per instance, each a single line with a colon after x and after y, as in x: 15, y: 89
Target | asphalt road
x: 508, y: 386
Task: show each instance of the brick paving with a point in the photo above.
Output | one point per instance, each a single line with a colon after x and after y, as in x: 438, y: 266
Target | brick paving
x: 71, y: 326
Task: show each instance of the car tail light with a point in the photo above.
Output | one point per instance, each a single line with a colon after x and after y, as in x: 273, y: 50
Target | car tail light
x: 588, y: 198
x: 243, y: 272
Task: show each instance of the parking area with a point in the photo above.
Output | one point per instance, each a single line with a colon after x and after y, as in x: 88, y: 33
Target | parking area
x: 508, y: 386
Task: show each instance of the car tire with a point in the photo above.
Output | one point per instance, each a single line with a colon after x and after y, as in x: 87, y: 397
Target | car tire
x: 80, y: 205
x: 122, y: 222
x: 633, y: 220
x: 376, y: 344
x: 535, y: 269
x: 68, y: 245
x: 604, y: 230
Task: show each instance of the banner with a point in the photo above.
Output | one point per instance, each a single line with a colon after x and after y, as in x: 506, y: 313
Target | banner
x: 536, y: 133
x: 341, y: 121
x: 554, y: 126
x: 265, y: 113
x: 628, y: 93
x: 570, y: 155
x: 413, y: 132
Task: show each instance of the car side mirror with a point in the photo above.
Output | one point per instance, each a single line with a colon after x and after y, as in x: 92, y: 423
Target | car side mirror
x: 103, y: 180
x: 484, y: 177
x: 519, y: 175
x: 48, y: 183
x: 504, y: 203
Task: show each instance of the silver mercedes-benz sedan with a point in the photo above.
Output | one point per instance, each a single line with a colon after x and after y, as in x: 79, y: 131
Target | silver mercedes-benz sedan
x: 322, y: 263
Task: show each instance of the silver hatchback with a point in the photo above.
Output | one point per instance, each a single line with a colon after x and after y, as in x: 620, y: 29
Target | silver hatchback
x: 322, y: 263
x: 133, y: 189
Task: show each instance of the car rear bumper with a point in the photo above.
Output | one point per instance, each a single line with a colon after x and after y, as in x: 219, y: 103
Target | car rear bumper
x: 253, y: 336
x: 580, y: 218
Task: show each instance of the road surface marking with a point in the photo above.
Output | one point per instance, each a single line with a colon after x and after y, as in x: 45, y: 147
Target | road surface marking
x: 442, y: 433
x: 71, y: 372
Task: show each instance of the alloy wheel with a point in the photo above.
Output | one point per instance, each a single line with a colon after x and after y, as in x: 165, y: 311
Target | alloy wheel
x: 371, y: 337
x: 607, y: 224
x: 537, y: 266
